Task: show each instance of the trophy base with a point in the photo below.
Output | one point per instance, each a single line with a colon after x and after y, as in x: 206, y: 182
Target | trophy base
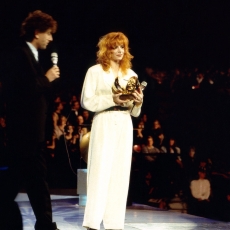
x: 126, y: 97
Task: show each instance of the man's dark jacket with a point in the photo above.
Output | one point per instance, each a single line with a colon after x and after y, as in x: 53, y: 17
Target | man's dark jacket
x: 27, y: 92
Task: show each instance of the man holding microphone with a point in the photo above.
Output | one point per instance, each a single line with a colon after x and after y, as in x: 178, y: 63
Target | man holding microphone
x: 28, y: 89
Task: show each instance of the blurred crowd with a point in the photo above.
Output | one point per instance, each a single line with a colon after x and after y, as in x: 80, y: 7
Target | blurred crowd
x: 181, y: 146
x: 180, y: 140
x: 67, y: 123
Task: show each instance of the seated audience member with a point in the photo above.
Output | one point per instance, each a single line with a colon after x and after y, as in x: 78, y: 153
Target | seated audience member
x: 175, y: 166
x: 55, y: 148
x: 73, y: 143
x: 69, y: 129
x: 70, y: 99
x: 74, y: 113
x: 50, y: 146
x: 59, y: 130
x: 64, y: 159
x: 80, y: 120
x: 53, y: 114
x: 146, y: 126
x: 152, y: 192
x: 172, y: 148
x: 57, y: 99
x: 138, y: 135
x: 58, y: 107
x: 80, y: 123
x: 156, y: 131
x: 73, y: 99
x: 200, y: 193
x: 149, y: 147
x: 205, y: 162
x: 161, y: 144
x: 191, y: 164
x: 144, y: 118
x: 87, y: 117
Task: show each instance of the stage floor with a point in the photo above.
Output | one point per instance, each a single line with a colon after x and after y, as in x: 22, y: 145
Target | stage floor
x: 69, y: 215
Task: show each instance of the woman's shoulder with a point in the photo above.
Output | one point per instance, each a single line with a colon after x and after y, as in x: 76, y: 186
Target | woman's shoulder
x: 131, y: 72
x: 96, y: 67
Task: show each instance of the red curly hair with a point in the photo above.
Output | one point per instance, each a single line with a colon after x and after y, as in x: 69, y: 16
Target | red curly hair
x: 109, y: 42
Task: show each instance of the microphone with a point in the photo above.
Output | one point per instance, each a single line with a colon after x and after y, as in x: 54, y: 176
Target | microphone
x: 143, y: 85
x: 54, y: 58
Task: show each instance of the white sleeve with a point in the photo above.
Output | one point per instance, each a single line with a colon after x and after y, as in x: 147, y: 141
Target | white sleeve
x: 135, y: 111
x: 91, y: 99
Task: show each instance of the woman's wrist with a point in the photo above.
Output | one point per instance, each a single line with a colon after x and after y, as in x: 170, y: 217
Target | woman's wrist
x: 138, y: 104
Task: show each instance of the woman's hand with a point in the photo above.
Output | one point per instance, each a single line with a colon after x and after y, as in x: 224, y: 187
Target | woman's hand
x: 138, y: 96
x: 117, y: 100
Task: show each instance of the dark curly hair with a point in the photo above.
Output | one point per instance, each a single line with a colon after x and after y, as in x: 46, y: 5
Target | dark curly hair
x: 37, y: 20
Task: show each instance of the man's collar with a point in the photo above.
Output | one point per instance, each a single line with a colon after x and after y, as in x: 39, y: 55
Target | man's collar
x: 33, y: 49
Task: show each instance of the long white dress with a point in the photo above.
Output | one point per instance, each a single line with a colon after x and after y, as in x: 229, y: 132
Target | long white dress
x: 110, y: 150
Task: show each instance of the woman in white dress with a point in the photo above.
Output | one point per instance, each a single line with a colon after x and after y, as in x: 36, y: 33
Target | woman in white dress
x: 110, y: 146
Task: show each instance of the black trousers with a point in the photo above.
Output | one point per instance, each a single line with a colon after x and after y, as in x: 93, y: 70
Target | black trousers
x: 29, y: 171
x: 199, y: 208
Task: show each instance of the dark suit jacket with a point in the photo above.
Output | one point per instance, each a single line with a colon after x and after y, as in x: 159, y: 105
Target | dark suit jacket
x: 27, y: 91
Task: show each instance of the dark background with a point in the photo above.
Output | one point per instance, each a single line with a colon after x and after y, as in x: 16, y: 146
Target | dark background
x: 164, y: 34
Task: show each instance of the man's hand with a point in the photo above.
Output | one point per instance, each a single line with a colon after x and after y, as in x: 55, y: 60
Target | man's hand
x: 53, y: 73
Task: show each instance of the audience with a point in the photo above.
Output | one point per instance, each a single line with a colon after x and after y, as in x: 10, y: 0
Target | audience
x: 74, y: 112
x: 150, y: 193
x: 59, y: 129
x: 185, y: 100
x: 161, y: 143
x: 58, y: 107
x: 191, y: 164
x: 173, y: 149
x: 199, y: 203
x: 87, y: 117
x: 176, y: 166
x: 138, y: 136
x: 149, y: 147
x: 155, y: 130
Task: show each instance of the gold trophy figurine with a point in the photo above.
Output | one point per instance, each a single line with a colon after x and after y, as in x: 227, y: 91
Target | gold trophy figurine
x: 126, y: 87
